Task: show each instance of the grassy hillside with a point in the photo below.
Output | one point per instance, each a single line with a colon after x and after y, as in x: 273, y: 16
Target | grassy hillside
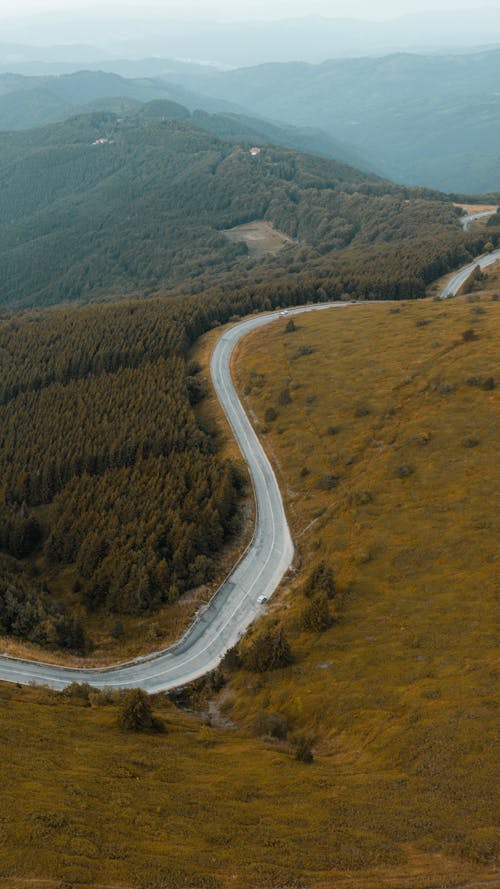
x: 396, y: 697
x: 422, y: 120
x: 380, y: 421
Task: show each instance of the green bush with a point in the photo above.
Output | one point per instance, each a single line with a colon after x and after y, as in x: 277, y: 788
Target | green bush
x: 269, y: 650
x: 136, y: 714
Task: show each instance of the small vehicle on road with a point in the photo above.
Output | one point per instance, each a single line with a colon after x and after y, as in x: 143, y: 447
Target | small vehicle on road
x: 262, y: 600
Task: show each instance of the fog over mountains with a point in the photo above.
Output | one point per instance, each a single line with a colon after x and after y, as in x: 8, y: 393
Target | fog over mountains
x: 311, y: 38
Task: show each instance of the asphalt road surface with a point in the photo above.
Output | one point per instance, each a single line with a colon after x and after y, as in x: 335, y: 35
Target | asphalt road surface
x: 235, y: 605
x: 459, y: 279
x: 465, y: 221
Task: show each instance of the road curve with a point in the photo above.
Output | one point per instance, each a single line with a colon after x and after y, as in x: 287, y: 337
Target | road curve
x: 219, y: 625
x: 465, y: 221
x: 460, y: 277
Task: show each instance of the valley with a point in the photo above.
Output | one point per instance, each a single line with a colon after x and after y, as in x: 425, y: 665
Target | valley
x: 249, y: 482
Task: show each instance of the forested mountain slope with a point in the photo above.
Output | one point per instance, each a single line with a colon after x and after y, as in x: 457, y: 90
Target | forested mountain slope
x: 113, y: 499
x: 27, y: 102
x: 110, y: 492
x: 146, y: 210
x: 32, y: 101
x: 426, y: 120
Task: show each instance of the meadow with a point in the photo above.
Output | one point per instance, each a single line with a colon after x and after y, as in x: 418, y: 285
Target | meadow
x: 385, y: 446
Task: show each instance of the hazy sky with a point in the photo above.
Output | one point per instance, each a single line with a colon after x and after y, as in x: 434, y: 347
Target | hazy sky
x: 238, y: 9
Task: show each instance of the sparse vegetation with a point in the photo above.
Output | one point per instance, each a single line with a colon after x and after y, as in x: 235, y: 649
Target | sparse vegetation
x: 413, y: 563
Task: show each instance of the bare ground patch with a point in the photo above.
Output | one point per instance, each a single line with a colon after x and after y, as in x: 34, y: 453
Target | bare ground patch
x: 261, y: 238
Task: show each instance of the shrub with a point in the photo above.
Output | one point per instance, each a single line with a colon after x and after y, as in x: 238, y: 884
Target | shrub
x: 197, y: 389
x: 79, y: 690
x: 269, y: 650
x: 136, y: 714
x: 231, y: 659
x: 321, y: 580
x: 468, y: 335
x: 290, y: 326
x: 446, y: 388
x: 404, y: 471
x: 302, y: 350
x: 193, y: 368
x: 328, y: 482
x: 284, y: 397
x: 274, y: 725
x: 316, y: 615
x: 361, y: 498
x: 303, y: 750
x: 117, y: 629
x: 270, y: 415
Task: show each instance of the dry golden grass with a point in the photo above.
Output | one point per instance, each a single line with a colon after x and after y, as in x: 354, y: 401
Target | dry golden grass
x: 476, y: 208
x: 85, y: 804
x: 402, y: 689
x: 398, y: 696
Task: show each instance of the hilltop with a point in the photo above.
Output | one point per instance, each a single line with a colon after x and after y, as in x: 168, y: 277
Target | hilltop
x: 102, y: 206
x: 27, y: 102
x: 420, y: 119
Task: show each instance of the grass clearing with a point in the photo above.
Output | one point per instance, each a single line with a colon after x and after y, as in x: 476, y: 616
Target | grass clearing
x: 261, y: 238
x: 477, y: 208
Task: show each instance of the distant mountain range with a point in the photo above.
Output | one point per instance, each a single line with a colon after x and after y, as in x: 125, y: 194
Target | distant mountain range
x: 428, y: 120
x: 236, y: 43
x: 422, y: 120
x: 26, y: 102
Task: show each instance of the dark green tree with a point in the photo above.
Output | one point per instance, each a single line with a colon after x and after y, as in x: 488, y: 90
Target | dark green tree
x: 136, y: 714
x: 316, y: 615
x: 321, y: 580
x: 270, y: 650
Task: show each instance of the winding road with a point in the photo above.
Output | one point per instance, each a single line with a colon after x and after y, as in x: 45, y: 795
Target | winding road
x: 219, y: 625
x: 460, y: 277
x: 257, y: 574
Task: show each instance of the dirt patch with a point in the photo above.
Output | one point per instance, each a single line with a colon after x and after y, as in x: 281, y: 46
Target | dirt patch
x: 260, y: 237
x: 477, y: 208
